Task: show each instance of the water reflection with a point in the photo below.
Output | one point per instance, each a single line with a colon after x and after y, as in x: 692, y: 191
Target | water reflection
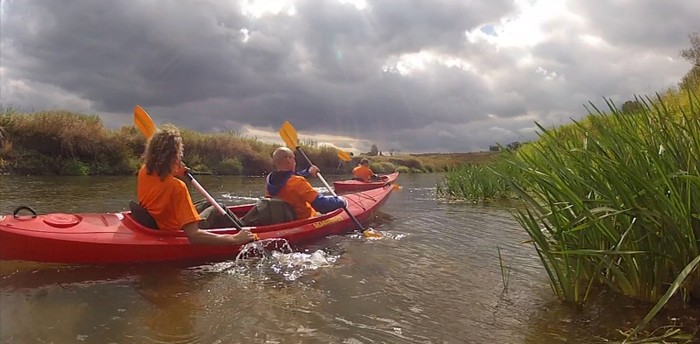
x: 172, y: 306
x: 163, y: 303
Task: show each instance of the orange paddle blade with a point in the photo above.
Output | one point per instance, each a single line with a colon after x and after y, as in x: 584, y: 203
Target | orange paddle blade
x: 343, y: 155
x: 289, y: 135
x: 143, y: 122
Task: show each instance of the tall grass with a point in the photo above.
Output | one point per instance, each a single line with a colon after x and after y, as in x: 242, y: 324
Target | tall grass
x: 417, y: 163
x: 60, y: 142
x: 214, y: 152
x: 610, y: 201
x: 479, y: 181
x: 614, y: 201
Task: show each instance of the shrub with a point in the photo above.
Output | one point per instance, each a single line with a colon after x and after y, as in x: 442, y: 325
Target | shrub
x: 35, y: 164
x: 201, y: 168
x: 229, y: 166
x: 382, y: 167
x: 410, y: 162
x: 73, y: 167
x: 403, y: 169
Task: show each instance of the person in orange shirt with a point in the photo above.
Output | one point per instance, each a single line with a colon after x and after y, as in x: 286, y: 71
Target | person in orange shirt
x: 292, y: 187
x: 166, y: 198
x: 363, y: 173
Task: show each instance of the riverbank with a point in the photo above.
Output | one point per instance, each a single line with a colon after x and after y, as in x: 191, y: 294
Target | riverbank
x: 67, y: 143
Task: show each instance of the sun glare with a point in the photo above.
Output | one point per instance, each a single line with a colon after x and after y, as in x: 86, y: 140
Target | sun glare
x: 245, y: 33
x: 523, y: 29
x: 359, y: 4
x: 408, y: 63
x: 271, y: 135
x: 593, y: 41
x: 259, y: 8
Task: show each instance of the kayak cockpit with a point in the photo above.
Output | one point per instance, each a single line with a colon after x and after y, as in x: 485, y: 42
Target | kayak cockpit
x: 130, y: 222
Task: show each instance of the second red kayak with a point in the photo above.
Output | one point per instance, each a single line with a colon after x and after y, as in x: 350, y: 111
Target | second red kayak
x: 352, y: 185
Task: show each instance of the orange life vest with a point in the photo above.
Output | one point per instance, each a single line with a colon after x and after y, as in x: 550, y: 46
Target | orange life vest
x: 362, y: 172
x: 299, y: 193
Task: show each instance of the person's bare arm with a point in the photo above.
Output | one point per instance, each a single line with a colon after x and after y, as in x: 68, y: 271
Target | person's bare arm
x: 201, y: 237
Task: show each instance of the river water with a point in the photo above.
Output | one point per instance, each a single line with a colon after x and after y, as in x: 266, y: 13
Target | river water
x: 436, y: 276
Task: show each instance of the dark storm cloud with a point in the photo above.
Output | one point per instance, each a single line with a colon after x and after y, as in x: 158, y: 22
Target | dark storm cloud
x: 331, y: 68
x: 116, y: 53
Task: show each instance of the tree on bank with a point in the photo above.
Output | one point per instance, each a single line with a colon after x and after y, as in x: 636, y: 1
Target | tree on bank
x: 373, y: 151
x: 692, y: 55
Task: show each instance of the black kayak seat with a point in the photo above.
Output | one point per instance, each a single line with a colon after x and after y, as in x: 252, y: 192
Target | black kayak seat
x: 142, y: 216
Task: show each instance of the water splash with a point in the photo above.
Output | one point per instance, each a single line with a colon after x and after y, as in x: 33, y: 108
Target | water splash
x: 263, y: 248
x: 275, y: 260
x: 295, y: 265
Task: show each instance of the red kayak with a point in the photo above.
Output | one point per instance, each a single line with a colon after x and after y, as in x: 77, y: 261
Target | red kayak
x: 118, y: 238
x: 352, y: 185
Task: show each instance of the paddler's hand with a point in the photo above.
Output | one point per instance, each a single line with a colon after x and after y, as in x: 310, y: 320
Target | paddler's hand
x: 243, y: 237
x: 181, y: 172
x: 313, y: 170
x: 180, y: 169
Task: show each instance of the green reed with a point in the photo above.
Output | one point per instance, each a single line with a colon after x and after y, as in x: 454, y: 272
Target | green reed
x: 479, y: 181
x: 610, y: 201
x: 615, y: 201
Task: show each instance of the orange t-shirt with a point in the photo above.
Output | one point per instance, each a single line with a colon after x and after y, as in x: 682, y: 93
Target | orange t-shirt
x: 299, y: 194
x: 362, y: 172
x: 168, y: 201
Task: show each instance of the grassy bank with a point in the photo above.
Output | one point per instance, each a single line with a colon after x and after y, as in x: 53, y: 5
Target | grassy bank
x: 65, y: 143
x: 418, y: 163
x: 611, y: 201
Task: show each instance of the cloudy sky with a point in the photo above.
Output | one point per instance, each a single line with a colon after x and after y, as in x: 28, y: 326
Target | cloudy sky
x: 406, y: 75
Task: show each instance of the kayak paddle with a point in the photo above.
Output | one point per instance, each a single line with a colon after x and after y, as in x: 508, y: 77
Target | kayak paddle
x: 146, y: 126
x: 289, y: 135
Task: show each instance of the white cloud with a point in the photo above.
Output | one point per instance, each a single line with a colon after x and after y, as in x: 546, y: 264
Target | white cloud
x: 259, y: 8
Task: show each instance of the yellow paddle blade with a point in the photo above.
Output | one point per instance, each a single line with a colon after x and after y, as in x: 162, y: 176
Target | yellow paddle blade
x: 343, y: 155
x: 143, y: 122
x: 371, y: 233
x: 289, y: 135
x: 395, y: 187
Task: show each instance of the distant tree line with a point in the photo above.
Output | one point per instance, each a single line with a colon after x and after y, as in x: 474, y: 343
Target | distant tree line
x: 511, y: 146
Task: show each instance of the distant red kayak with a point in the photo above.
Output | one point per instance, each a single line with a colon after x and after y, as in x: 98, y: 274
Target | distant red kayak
x: 117, y: 238
x: 352, y: 185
